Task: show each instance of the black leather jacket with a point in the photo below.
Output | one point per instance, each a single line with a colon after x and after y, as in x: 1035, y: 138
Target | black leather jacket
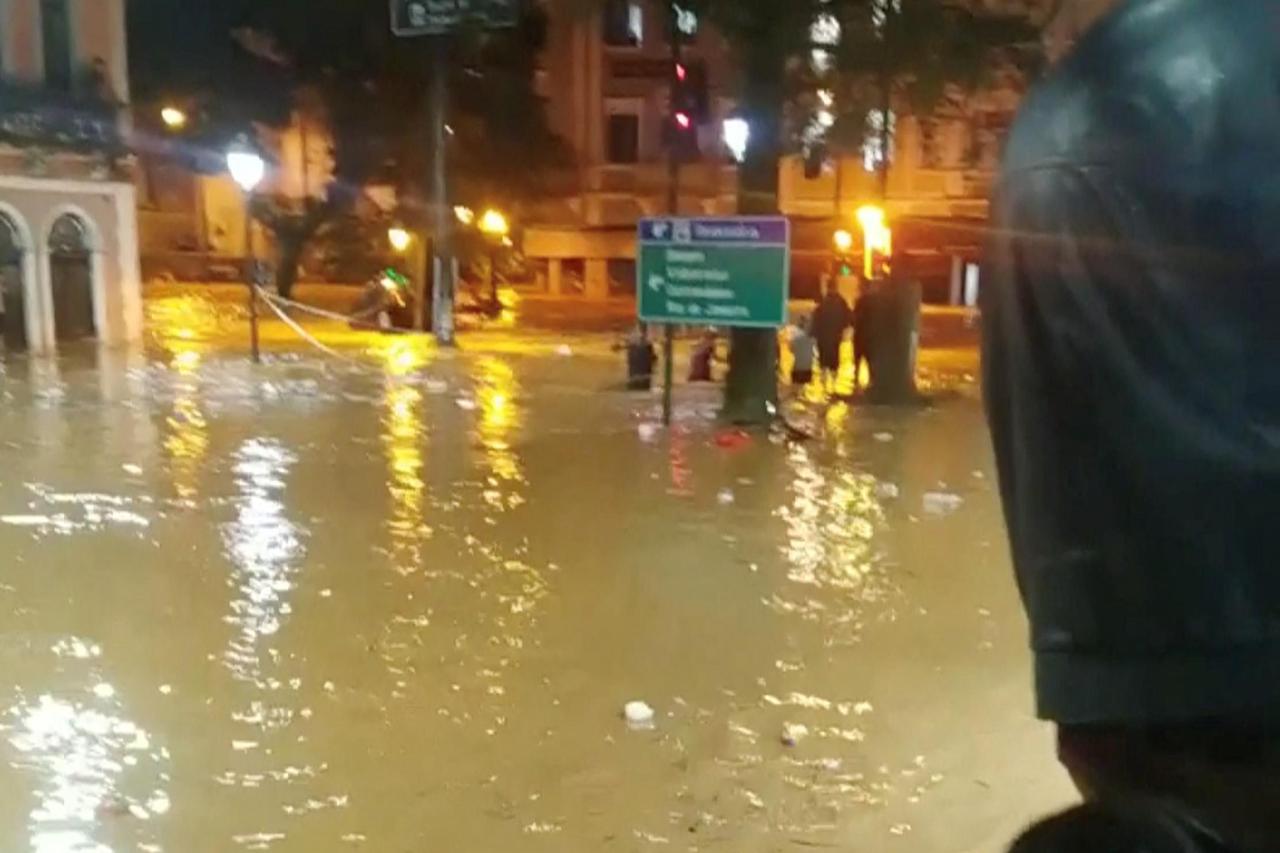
x: 1132, y: 364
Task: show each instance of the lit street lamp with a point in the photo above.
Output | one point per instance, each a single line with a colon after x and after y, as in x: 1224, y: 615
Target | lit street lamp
x: 877, y: 237
x: 737, y: 135
x: 399, y: 238
x: 247, y: 169
x: 494, y: 226
x: 843, y: 240
x: 173, y: 118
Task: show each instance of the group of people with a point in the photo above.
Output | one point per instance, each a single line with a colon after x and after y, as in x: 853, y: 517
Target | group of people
x: 815, y: 337
x: 822, y: 334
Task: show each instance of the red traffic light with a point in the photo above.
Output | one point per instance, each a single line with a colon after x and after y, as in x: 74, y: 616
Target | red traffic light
x: 683, y: 121
x: 682, y: 73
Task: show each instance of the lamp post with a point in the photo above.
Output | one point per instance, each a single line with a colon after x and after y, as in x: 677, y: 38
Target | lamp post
x: 399, y: 238
x: 843, y: 240
x: 247, y: 169
x: 876, y: 237
x: 413, y: 249
x: 494, y: 226
x: 736, y: 133
x: 173, y: 117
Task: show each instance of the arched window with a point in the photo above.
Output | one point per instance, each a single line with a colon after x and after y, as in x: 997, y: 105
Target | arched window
x: 71, y: 279
x: 13, y: 319
x: 68, y: 236
x: 10, y: 243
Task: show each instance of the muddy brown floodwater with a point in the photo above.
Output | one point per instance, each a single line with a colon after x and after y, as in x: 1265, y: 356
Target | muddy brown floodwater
x: 398, y: 604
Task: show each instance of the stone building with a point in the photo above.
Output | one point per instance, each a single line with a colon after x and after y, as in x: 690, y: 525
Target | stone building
x: 68, y: 229
x: 606, y: 75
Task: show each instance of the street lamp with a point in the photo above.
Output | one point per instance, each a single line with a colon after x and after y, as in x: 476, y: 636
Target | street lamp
x: 399, y: 238
x: 737, y: 135
x: 173, y: 117
x: 876, y: 237
x: 843, y: 240
x: 247, y: 169
x: 494, y: 226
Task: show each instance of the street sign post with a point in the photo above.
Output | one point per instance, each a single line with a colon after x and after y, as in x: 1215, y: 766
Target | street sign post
x: 437, y: 17
x: 732, y: 271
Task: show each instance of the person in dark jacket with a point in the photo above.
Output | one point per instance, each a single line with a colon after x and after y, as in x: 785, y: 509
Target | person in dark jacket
x: 830, y: 321
x: 861, y: 322
x: 1131, y: 314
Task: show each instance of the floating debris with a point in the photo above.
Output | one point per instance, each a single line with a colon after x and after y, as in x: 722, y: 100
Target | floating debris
x: 639, y: 715
x: 942, y: 503
x: 793, y: 733
x: 888, y: 491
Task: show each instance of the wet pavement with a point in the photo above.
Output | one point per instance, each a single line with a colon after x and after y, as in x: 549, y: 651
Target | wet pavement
x: 397, y: 601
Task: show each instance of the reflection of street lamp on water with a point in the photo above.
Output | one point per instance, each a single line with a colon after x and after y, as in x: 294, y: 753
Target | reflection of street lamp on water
x: 494, y: 226
x: 247, y: 169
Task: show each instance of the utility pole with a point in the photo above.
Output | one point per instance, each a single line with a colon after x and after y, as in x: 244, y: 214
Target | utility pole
x: 442, y: 281
x: 673, y: 191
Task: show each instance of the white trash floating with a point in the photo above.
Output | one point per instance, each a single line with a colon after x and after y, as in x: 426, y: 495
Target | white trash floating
x: 639, y: 715
x: 887, y: 491
x: 941, y: 503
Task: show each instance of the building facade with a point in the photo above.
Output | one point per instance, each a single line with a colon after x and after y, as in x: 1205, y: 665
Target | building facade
x: 606, y: 78
x: 193, y: 225
x: 68, y: 227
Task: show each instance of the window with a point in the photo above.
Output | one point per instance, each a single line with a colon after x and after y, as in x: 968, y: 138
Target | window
x: 623, y: 23
x: 55, y: 33
x: 623, y: 142
x: 873, y: 150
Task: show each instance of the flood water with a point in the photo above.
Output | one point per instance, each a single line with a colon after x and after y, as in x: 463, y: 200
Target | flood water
x: 398, y: 604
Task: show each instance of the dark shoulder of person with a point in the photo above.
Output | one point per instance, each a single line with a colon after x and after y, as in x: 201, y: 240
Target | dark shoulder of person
x: 1098, y: 828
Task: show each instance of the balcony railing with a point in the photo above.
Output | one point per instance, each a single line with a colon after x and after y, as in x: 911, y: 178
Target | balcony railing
x: 33, y: 116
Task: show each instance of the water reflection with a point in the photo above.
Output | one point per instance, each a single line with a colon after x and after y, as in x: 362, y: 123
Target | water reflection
x: 496, y: 393
x: 403, y: 440
x: 187, y: 441
x: 265, y: 548
x: 831, y: 518
x: 82, y: 751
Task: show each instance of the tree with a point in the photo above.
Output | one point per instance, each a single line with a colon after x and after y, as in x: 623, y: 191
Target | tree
x: 898, y: 58
x: 244, y: 63
x: 881, y: 50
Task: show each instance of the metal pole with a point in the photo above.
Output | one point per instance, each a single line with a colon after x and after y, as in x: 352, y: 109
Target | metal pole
x: 673, y: 206
x: 442, y: 292
x: 249, y: 276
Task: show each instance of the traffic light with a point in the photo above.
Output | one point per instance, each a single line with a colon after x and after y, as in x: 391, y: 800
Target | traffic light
x: 690, y: 107
x: 690, y: 92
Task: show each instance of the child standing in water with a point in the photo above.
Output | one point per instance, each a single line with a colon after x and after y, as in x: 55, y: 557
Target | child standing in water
x: 803, y: 351
x: 704, y: 355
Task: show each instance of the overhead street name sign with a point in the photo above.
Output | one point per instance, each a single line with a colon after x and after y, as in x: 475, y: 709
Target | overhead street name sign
x: 436, y: 17
x: 732, y: 271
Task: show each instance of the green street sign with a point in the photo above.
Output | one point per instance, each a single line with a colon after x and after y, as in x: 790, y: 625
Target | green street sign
x: 732, y: 271
x: 436, y: 17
